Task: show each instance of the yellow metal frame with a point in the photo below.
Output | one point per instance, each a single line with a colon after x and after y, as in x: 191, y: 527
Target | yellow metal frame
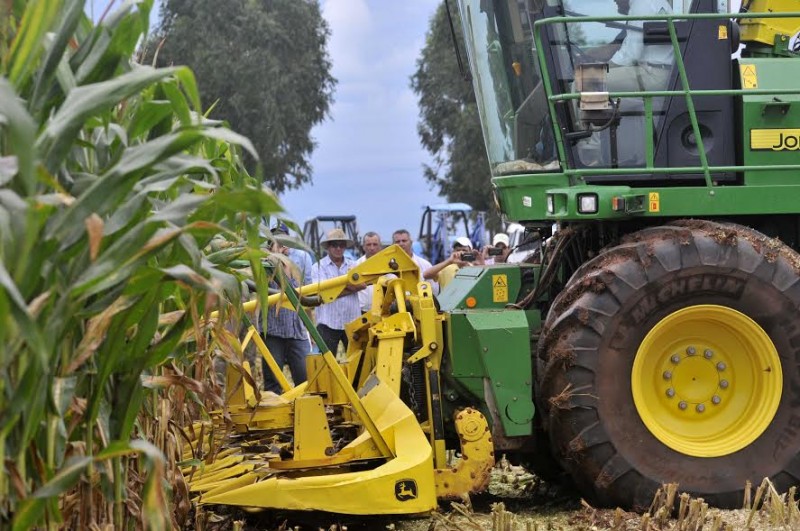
x: 279, y: 452
x: 769, y: 30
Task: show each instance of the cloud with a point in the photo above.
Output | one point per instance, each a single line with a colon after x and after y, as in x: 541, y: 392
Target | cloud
x: 350, y: 22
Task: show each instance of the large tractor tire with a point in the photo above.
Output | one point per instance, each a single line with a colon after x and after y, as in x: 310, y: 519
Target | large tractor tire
x: 674, y: 357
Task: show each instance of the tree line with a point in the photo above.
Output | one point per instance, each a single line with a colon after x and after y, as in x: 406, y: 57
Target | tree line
x: 265, y: 68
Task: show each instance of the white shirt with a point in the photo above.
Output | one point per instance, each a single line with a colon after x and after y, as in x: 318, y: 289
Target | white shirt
x: 365, y: 295
x: 423, y: 265
x: 335, y: 314
x: 632, y: 51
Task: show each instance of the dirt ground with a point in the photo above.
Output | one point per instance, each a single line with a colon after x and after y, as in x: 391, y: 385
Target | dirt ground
x: 518, y: 501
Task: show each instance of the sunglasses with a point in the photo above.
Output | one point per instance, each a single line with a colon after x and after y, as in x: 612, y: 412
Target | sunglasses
x: 340, y: 245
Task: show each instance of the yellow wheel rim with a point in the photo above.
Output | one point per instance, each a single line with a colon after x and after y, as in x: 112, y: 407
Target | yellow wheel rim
x: 707, y: 381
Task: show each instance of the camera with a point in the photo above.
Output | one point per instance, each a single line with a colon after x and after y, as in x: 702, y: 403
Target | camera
x: 468, y: 257
x: 495, y: 251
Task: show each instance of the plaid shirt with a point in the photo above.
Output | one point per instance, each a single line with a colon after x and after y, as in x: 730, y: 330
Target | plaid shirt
x: 337, y: 313
x: 283, y: 322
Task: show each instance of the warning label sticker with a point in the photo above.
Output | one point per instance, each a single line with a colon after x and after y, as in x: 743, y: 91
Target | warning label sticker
x: 749, y: 76
x: 499, y: 288
x: 654, y: 202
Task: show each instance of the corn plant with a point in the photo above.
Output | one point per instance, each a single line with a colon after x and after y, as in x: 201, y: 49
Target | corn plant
x: 122, y: 210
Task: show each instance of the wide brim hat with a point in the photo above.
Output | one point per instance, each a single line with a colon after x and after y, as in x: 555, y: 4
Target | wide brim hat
x: 336, y: 235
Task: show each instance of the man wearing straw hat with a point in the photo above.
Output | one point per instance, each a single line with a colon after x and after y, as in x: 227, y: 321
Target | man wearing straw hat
x: 333, y: 316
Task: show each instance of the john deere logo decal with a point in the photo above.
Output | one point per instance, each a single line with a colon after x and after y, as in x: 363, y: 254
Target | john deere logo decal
x: 405, y: 489
x: 775, y: 139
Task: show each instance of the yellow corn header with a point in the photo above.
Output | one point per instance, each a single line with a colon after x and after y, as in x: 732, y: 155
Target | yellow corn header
x: 345, y: 435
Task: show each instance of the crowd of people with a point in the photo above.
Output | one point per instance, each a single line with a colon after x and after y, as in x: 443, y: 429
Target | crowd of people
x: 286, y: 336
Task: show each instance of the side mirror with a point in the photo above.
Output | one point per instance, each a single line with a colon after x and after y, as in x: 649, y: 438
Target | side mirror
x: 591, y: 80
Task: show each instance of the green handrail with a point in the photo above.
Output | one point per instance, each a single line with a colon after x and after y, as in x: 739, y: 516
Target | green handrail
x: 685, y: 91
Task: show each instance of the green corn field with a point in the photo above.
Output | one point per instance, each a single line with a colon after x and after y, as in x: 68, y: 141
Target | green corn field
x: 123, y: 213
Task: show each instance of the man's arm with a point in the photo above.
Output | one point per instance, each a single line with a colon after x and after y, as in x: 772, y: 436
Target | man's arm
x: 432, y: 272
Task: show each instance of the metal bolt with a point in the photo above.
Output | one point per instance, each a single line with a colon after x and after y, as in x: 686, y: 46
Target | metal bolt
x: 708, y: 353
x: 700, y: 408
x: 721, y: 366
x: 723, y: 384
x: 691, y: 351
x: 667, y: 375
x: 682, y: 404
x: 715, y: 399
x: 670, y: 392
x: 675, y: 359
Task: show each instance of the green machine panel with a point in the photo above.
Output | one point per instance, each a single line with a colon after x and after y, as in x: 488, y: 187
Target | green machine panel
x: 492, y: 286
x: 490, y: 351
x: 771, y: 124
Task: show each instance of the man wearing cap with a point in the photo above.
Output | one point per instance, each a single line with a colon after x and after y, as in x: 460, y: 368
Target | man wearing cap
x: 299, y: 257
x: 333, y: 316
x: 501, y: 250
x: 462, y: 256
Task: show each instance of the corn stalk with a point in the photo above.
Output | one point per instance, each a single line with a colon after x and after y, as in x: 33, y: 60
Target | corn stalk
x: 122, y: 212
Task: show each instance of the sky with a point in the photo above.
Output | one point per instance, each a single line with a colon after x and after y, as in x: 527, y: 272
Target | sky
x: 368, y: 160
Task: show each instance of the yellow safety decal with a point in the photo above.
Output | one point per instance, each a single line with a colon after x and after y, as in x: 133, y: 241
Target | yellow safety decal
x: 655, y: 202
x: 499, y: 288
x: 723, y: 32
x: 775, y: 139
x: 749, y: 76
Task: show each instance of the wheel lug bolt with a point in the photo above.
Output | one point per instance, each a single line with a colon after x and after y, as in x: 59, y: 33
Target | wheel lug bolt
x: 708, y: 353
x: 682, y: 404
x: 667, y: 375
x: 675, y: 359
x: 700, y: 408
x: 715, y: 399
x: 723, y: 384
x: 670, y: 392
x: 721, y: 366
x: 691, y: 351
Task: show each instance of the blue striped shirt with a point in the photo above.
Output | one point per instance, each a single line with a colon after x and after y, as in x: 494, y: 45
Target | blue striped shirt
x: 283, y: 322
x: 337, y: 313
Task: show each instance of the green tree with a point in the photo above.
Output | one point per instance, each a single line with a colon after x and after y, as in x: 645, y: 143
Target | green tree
x: 265, y: 67
x: 449, y: 127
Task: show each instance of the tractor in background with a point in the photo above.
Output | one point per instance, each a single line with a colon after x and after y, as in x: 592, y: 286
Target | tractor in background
x: 442, y: 223
x: 315, y: 229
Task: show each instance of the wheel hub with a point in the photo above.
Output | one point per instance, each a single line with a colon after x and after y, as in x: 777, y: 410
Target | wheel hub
x: 706, y: 380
